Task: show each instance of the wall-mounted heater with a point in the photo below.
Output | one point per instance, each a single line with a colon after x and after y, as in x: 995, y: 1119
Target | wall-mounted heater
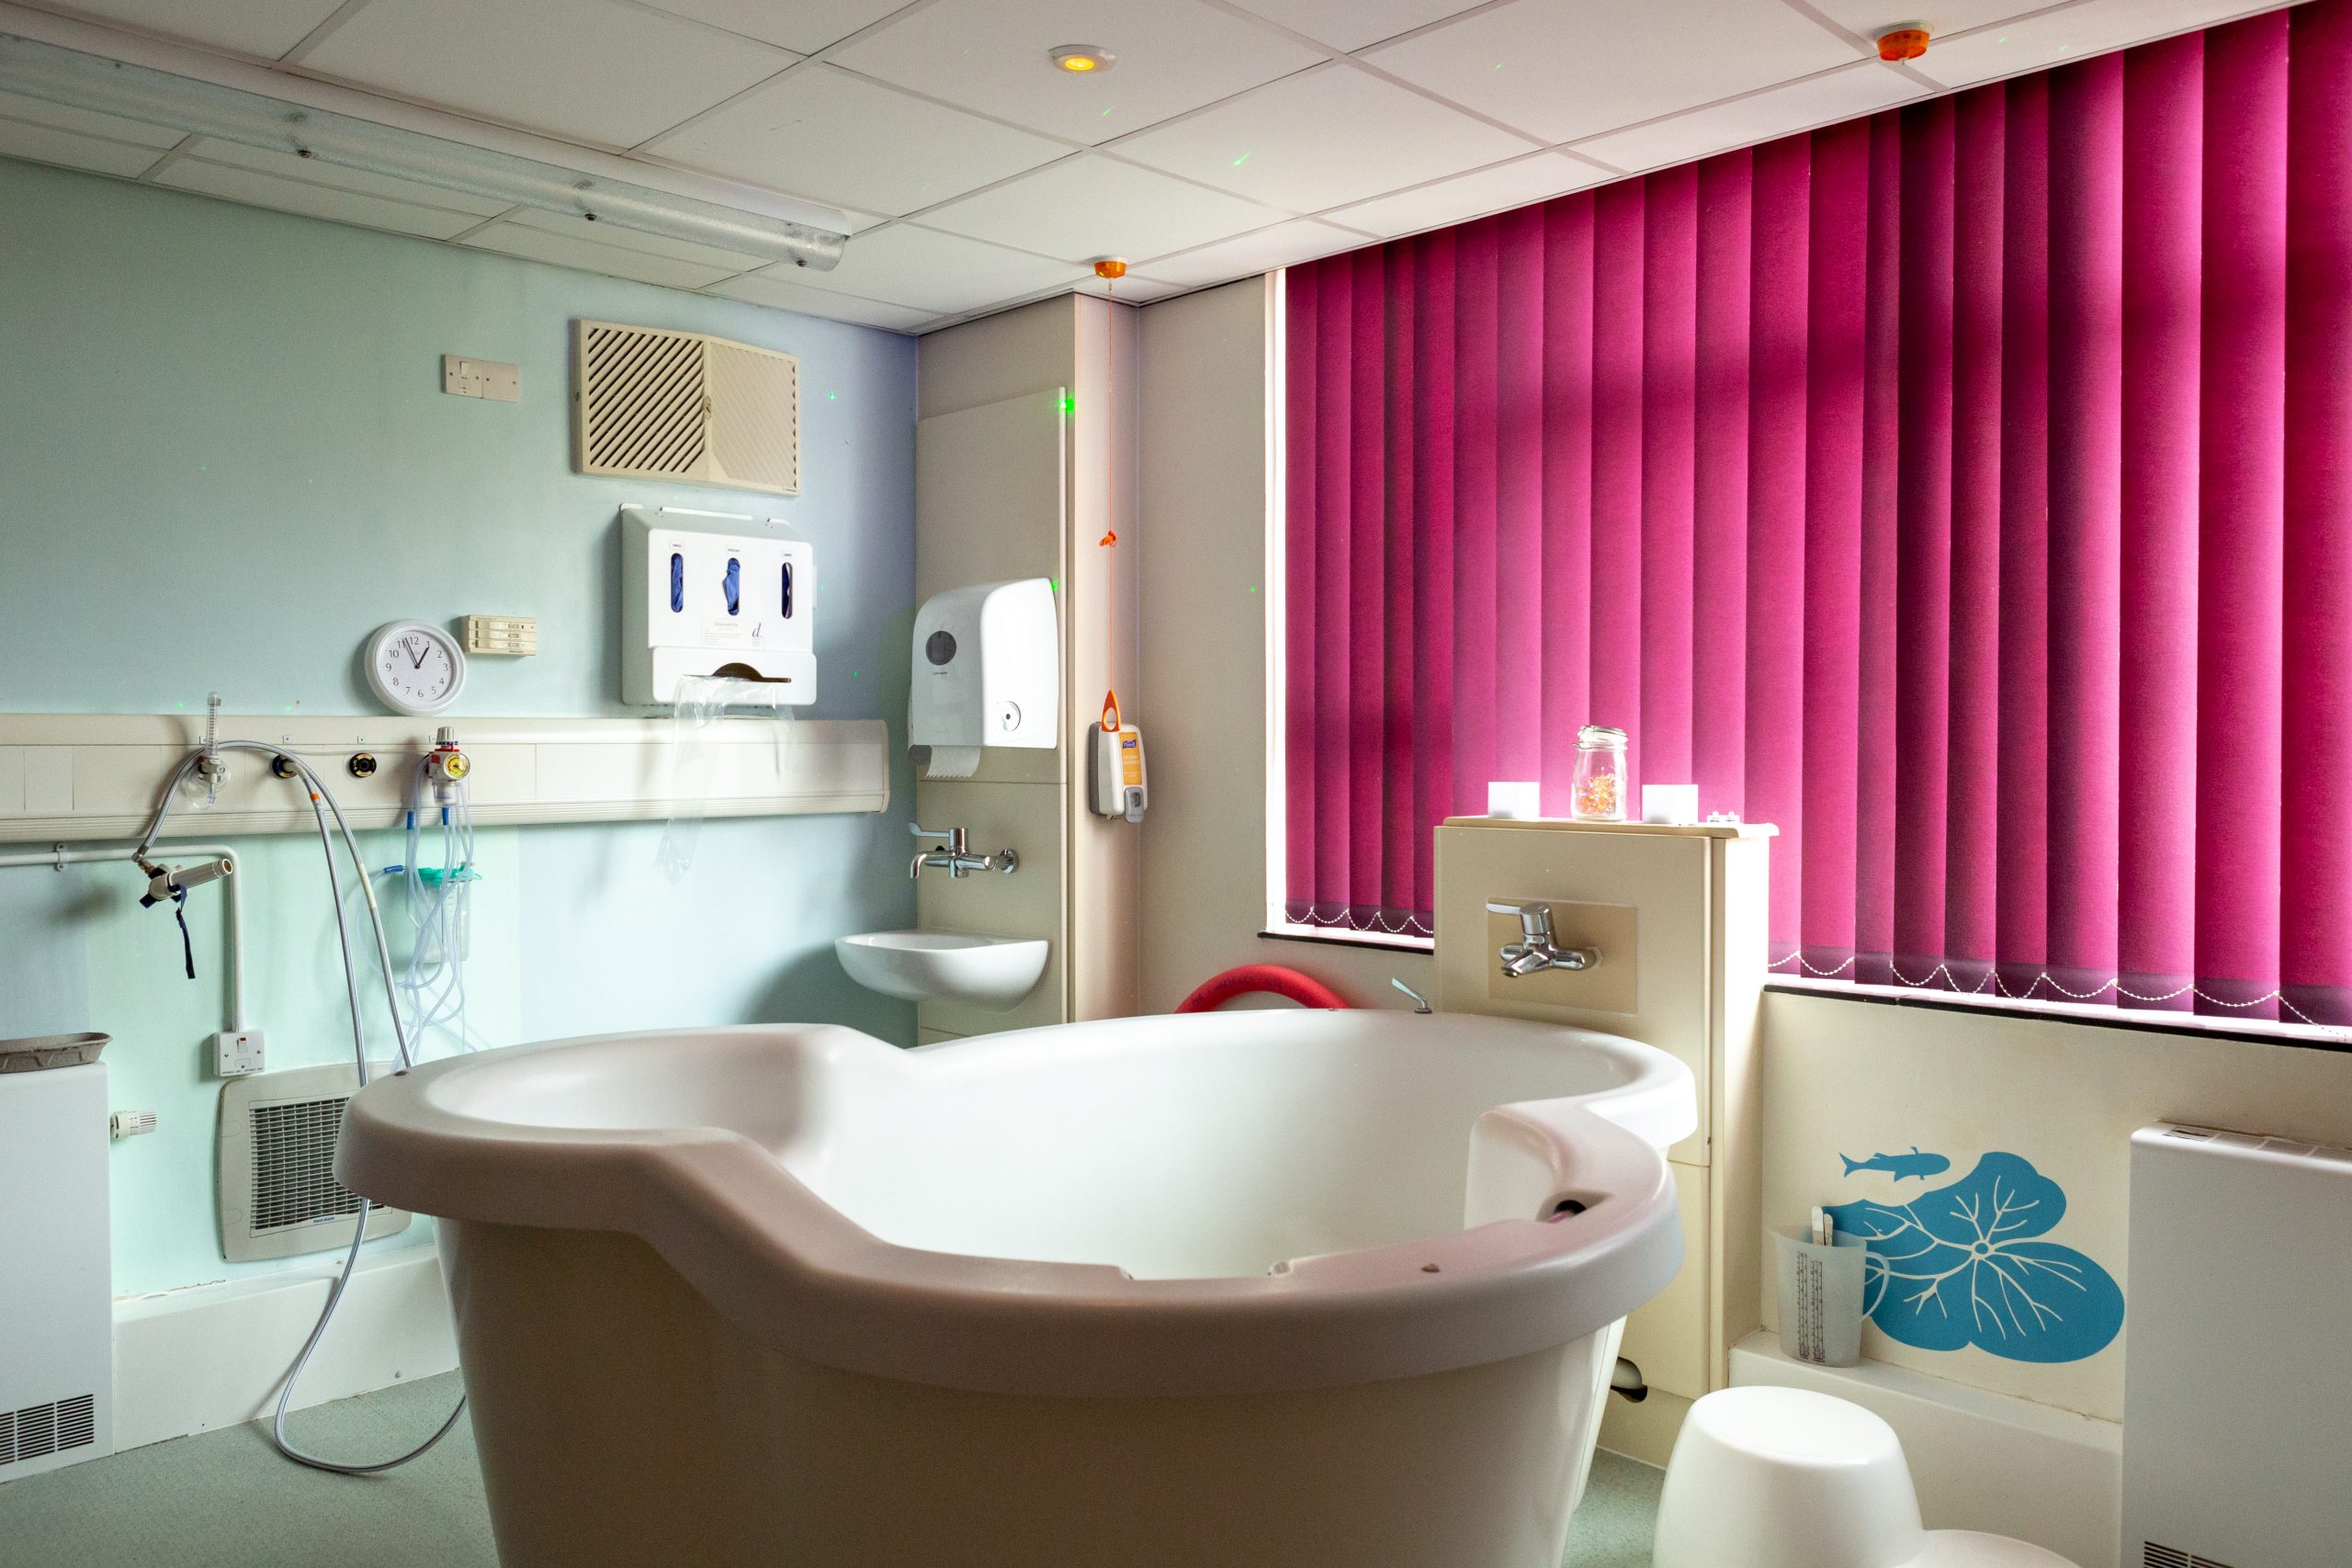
x: 56, y: 1280
x: 2237, y: 1373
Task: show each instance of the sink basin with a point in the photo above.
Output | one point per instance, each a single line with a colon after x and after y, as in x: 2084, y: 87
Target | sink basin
x: 992, y: 972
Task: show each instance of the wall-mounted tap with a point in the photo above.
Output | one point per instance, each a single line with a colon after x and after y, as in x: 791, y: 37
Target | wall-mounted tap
x: 1420, y: 1002
x: 958, y: 859
x: 1534, y: 952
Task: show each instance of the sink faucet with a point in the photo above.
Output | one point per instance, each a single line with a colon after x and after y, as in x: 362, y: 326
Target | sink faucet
x: 1534, y: 952
x: 957, y: 857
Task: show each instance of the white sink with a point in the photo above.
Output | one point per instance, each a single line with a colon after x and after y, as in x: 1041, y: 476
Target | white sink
x: 992, y: 972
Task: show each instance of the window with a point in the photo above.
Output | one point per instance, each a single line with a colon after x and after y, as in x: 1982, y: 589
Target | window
x: 1967, y: 489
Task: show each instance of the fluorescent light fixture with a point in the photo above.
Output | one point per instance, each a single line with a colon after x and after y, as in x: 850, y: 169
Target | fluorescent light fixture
x: 92, y: 81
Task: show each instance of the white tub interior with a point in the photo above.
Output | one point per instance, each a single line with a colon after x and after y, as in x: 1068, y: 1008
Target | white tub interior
x: 1173, y: 1149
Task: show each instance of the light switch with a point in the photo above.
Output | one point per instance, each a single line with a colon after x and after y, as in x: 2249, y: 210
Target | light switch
x: 467, y: 377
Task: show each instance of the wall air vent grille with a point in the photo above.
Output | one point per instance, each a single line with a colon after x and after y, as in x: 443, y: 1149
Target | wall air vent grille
x: 2155, y: 1556
x: 671, y: 405
x: 279, y: 1194
x: 38, y: 1431
x: 294, y: 1181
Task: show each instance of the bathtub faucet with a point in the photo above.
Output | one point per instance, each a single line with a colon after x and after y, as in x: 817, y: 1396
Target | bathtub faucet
x: 1534, y: 952
x: 957, y: 857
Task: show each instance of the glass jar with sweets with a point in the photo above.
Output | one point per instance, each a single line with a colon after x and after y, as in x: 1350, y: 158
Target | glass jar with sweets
x: 1598, y: 793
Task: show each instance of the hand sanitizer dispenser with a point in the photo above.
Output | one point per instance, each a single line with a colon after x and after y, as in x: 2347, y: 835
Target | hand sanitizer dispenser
x: 711, y: 593
x: 988, y: 671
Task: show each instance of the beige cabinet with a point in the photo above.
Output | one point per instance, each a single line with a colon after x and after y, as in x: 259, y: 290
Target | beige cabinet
x: 1679, y: 915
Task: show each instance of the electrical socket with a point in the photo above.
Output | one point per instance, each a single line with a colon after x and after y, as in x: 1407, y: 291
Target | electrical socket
x: 235, y: 1054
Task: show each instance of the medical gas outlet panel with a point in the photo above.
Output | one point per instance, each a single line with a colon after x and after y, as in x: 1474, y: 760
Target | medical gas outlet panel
x: 712, y: 595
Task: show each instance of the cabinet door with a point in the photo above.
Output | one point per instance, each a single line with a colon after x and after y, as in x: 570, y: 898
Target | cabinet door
x: 1667, y: 1338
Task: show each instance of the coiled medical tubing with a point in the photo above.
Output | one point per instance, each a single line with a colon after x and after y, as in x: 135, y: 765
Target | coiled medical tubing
x: 323, y: 803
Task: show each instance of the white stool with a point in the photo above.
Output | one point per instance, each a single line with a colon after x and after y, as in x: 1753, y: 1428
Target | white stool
x: 1786, y: 1478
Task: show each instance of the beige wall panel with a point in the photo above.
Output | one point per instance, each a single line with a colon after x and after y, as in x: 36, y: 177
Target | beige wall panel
x: 1005, y: 356
x: 1846, y: 1077
x: 1202, y: 408
x: 992, y: 488
x: 1100, y: 603
x: 1645, y: 1431
x: 1028, y: 903
x: 1664, y: 877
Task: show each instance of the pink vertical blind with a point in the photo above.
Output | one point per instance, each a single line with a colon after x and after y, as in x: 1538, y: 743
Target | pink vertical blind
x: 1967, y: 489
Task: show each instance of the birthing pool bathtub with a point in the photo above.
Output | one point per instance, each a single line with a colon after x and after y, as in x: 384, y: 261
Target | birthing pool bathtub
x: 1283, y: 1288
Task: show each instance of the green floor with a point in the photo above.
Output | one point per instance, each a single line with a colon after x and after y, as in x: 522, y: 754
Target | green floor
x: 227, y: 1500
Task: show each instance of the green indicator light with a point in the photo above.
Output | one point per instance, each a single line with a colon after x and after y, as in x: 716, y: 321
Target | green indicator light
x: 1068, y: 402
x: 1241, y: 160
x: 1053, y: 585
x: 833, y: 397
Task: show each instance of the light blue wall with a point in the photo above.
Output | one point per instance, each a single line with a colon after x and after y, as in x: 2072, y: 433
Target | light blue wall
x: 226, y: 458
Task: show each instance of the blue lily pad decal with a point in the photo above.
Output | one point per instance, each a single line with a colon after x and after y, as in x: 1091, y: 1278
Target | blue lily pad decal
x: 1963, y: 1264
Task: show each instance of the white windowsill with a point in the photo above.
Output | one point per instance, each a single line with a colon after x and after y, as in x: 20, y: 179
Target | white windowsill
x: 2099, y: 1014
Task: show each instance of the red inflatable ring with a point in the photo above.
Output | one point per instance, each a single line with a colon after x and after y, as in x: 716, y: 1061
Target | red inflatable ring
x: 1271, y: 978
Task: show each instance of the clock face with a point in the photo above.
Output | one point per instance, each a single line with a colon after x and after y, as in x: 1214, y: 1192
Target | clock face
x: 415, y: 668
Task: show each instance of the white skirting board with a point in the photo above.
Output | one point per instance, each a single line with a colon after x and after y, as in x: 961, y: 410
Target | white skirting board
x: 1981, y: 1460
x: 190, y: 1360
x: 77, y: 777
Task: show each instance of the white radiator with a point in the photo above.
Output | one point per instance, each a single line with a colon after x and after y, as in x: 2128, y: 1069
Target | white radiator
x: 56, y: 1279
x: 2237, y: 1402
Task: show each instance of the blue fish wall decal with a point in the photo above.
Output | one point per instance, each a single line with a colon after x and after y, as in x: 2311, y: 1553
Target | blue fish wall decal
x: 1900, y: 1166
x: 1965, y: 1264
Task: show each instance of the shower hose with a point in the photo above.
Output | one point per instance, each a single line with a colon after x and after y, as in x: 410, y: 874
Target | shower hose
x: 322, y: 805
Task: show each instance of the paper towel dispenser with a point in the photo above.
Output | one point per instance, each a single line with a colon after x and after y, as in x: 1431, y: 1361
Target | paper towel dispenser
x: 988, y: 671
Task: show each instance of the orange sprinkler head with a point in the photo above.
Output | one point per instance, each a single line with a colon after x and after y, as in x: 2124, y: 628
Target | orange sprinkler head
x: 1111, y: 267
x: 1902, y: 43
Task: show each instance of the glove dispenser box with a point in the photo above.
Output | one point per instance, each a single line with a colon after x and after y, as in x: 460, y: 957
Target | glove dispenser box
x: 704, y: 594
x: 987, y: 672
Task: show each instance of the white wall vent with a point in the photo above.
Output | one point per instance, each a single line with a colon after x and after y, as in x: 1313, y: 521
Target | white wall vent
x: 655, y: 404
x: 2173, y: 1557
x: 40, y: 1430
x: 278, y: 1191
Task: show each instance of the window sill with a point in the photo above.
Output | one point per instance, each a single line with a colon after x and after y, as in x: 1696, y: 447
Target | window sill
x: 2259, y: 1031
x: 1334, y: 936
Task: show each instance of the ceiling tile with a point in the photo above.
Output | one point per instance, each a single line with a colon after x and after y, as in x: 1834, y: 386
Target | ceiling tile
x: 1322, y: 138
x: 1091, y: 206
x: 590, y: 256
x: 1353, y: 24
x: 1465, y: 196
x: 806, y: 26
x: 989, y: 55
x: 784, y: 295
x: 607, y: 232
x: 1872, y: 17
x: 1859, y: 89
x: 2092, y: 28
x: 838, y: 137
x: 266, y: 28
x: 314, y: 171
x: 46, y: 145
x: 1568, y: 68
x: 938, y: 272
x: 107, y: 127
x: 258, y: 189
x: 588, y: 70
x: 1244, y: 255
